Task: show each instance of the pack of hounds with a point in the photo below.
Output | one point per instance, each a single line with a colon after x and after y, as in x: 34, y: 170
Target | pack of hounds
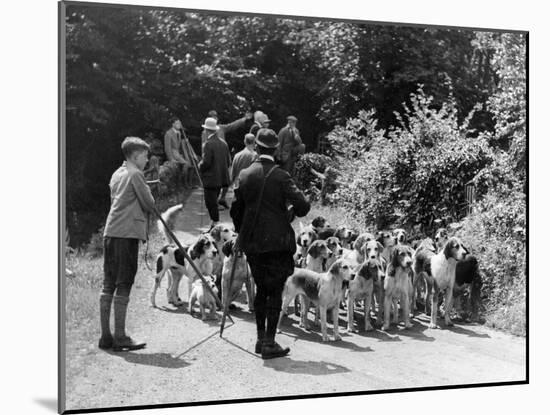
x: 382, y: 272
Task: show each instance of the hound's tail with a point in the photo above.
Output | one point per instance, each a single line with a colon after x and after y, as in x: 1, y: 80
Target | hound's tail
x: 170, y: 216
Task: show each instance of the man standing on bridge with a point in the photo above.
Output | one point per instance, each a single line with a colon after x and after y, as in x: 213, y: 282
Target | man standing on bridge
x: 265, y: 204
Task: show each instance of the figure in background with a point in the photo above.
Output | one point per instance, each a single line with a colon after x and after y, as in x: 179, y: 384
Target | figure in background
x: 290, y: 145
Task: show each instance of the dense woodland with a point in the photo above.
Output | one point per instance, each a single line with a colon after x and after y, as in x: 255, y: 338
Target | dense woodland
x: 399, y: 118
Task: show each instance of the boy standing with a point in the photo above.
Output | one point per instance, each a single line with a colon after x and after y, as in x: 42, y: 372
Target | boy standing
x: 126, y: 225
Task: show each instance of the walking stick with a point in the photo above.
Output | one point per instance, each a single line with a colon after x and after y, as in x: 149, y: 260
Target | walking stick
x: 188, y: 258
x: 191, y: 153
x: 236, y: 251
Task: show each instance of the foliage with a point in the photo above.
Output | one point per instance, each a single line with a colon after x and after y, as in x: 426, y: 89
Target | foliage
x: 130, y: 69
x: 315, y: 175
x: 496, y: 233
x: 414, y: 175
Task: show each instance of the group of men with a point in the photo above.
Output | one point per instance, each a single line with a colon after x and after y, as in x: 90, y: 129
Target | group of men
x: 217, y: 169
x: 266, y: 201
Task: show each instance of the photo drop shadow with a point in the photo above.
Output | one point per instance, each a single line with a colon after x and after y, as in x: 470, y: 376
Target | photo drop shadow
x: 48, y: 403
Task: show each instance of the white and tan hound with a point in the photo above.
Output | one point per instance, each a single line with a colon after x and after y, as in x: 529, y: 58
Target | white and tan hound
x: 439, y: 270
x: 323, y: 289
x: 398, y: 285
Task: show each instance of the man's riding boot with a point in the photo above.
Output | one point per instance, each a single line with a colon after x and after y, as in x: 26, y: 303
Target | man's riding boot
x: 270, y: 349
x: 121, y: 341
x: 106, y: 339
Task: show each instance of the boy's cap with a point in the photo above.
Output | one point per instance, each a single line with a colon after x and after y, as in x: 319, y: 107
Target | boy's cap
x: 266, y: 137
x: 292, y: 118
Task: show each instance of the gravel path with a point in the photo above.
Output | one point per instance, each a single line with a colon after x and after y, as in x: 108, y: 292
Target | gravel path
x: 186, y: 360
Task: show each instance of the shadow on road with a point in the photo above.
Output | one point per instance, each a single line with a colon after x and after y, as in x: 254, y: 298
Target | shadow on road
x: 164, y: 360
x: 288, y: 365
x: 467, y: 332
x: 316, y: 337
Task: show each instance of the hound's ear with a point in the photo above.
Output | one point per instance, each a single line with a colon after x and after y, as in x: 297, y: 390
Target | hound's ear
x: 394, y: 259
x: 227, y: 247
x: 335, y: 268
x: 379, y: 237
x: 215, y: 232
x: 301, y: 226
x: 451, y: 243
x: 197, y: 248
x: 391, y: 270
x: 313, y: 250
x: 380, y: 246
x: 466, y: 251
x: 358, y: 244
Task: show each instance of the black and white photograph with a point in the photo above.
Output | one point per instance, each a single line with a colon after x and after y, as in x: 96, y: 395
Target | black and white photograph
x: 261, y: 206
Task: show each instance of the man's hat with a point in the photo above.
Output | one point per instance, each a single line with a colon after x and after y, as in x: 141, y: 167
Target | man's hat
x: 263, y: 118
x: 292, y: 118
x: 211, y: 124
x: 266, y: 137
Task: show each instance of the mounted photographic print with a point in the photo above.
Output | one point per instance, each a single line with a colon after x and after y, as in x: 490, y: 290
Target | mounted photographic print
x: 258, y: 207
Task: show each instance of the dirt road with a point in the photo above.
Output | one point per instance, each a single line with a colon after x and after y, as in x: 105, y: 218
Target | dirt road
x: 186, y: 360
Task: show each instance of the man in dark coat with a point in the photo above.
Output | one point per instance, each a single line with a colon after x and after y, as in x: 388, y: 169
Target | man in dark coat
x: 290, y: 144
x: 214, y: 168
x: 266, y: 236
x: 224, y: 129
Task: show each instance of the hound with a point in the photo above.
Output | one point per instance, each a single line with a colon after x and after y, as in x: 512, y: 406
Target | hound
x: 398, y: 285
x: 361, y: 240
x: 335, y: 247
x: 362, y: 287
x: 318, y: 254
x: 304, y: 239
x: 170, y: 261
x: 323, y: 289
x: 319, y: 224
x: 419, y: 281
x: 203, y: 254
x: 441, y: 237
x: 343, y: 233
x: 387, y: 240
x: 221, y: 233
x: 374, y: 250
x: 243, y: 275
x: 400, y: 236
x: 468, y: 279
x: 439, y: 270
x: 200, y: 295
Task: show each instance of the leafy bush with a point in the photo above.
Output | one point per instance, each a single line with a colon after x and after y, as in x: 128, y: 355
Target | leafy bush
x: 414, y: 174
x: 496, y: 232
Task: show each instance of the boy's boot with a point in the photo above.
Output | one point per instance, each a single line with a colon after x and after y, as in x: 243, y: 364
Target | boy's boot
x: 270, y: 348
x: 106, y: 339
x: 121, y: 341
